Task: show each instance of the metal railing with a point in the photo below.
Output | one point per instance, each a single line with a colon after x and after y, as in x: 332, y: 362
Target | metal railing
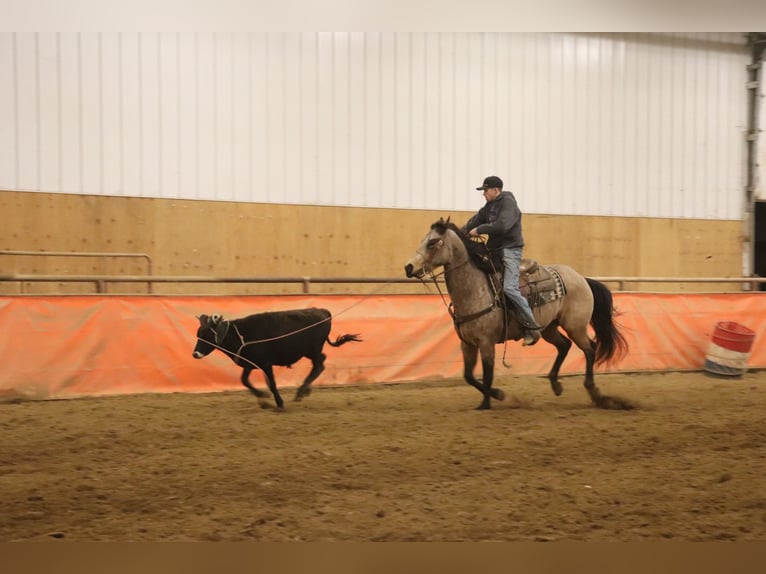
x: 145, y: 256
x: 752, y: 282
x: 101, y: 281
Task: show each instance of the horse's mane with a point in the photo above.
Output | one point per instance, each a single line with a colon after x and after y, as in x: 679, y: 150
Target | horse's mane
x: 478, y: 253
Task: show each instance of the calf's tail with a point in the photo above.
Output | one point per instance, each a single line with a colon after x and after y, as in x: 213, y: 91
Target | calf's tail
x: 344, y: 339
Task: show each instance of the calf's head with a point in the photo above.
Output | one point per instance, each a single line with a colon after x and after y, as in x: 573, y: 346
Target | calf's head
x: 212, y: 331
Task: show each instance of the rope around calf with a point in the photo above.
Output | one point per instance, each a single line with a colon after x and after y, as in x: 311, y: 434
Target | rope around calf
x: 245, y: 343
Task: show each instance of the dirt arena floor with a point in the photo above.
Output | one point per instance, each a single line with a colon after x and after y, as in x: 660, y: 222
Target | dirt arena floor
x: 407, y: 462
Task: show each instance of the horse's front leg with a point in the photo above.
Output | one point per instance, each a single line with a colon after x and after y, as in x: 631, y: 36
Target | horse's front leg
x: 487, y: 374
x: 470, y: 356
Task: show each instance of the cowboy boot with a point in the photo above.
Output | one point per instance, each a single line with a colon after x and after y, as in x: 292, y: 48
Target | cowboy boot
x: 531, y: 333
x: 531, y: 336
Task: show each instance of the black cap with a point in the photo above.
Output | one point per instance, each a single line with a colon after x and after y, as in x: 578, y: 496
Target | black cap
x: 491, y: 181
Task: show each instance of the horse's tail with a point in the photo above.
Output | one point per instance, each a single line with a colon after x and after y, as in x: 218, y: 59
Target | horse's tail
x: 611, y: 346
x: 344, y: 339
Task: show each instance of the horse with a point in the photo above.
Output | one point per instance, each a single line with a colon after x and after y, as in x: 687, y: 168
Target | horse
x: 478, y: 308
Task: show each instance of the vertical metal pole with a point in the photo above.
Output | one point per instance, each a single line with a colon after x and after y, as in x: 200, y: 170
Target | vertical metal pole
x: 757, y: 42
x: 150, y: 270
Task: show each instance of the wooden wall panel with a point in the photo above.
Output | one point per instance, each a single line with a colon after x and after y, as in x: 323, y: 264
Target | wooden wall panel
x: 212, y: 238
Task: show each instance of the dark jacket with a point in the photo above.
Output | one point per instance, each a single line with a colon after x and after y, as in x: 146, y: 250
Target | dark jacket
x: 501, y: 220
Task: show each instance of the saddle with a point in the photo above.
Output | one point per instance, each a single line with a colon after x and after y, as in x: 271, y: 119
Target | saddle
x: 540, y: 284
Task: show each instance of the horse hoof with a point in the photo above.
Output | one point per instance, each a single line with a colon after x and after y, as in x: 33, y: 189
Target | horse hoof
x: 557, y: 388
x: 498, y: 394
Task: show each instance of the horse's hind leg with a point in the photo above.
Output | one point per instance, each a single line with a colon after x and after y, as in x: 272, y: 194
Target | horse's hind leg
x: 317, y: 366
x: 470, y: 357
x: 588, y: 348
x: 562, y: 344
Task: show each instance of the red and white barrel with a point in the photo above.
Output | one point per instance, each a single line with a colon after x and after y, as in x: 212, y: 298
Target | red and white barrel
x: 729, y: 349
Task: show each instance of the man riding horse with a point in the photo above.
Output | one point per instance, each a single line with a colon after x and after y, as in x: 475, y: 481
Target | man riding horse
x: 566, y: 307
x: 500, y: 219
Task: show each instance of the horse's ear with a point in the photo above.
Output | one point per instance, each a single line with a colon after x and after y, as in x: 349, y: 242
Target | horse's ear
x: 448, y: 218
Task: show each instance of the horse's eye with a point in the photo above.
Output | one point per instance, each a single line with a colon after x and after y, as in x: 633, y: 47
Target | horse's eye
x: 432, y: 243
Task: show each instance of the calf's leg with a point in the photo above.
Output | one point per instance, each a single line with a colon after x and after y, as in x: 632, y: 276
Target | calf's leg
x: 245, y: 378
x: 317, y: 366
x: 268, y: 372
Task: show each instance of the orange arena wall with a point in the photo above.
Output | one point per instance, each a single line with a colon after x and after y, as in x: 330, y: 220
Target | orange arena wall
x: 68, y: 346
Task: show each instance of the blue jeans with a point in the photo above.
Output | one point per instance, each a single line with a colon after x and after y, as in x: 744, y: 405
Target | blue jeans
x: 511, y: 262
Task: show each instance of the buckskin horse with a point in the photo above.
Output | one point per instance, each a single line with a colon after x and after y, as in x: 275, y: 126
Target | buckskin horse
x: 561, y: 297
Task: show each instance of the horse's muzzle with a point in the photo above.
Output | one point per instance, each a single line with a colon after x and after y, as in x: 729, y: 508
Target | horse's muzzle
x: 409, y: 270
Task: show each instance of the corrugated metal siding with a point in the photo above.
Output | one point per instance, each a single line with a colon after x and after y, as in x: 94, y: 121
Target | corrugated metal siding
x: 760, y: 143
x: 592, y: 124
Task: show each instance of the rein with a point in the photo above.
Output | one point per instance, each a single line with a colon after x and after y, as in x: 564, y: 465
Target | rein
x: 459, y: 320
x: 498, y: 301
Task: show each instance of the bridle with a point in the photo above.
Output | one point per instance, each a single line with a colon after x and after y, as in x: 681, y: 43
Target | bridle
x: 456, y: 319
x: 497, y: 301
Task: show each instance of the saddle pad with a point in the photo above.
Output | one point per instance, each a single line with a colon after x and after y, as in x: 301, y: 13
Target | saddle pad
x: 541, y: 286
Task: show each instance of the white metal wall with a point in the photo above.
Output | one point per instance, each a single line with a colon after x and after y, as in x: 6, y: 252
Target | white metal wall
x: 592, y: 124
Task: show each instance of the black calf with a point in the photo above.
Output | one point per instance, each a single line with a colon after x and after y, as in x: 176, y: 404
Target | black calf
x: 266, y: 339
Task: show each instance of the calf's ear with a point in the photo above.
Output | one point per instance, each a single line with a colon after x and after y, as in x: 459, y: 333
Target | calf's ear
x: 221, y: 330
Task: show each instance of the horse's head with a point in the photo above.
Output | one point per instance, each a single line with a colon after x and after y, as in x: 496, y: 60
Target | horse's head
x: 432, y: 251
